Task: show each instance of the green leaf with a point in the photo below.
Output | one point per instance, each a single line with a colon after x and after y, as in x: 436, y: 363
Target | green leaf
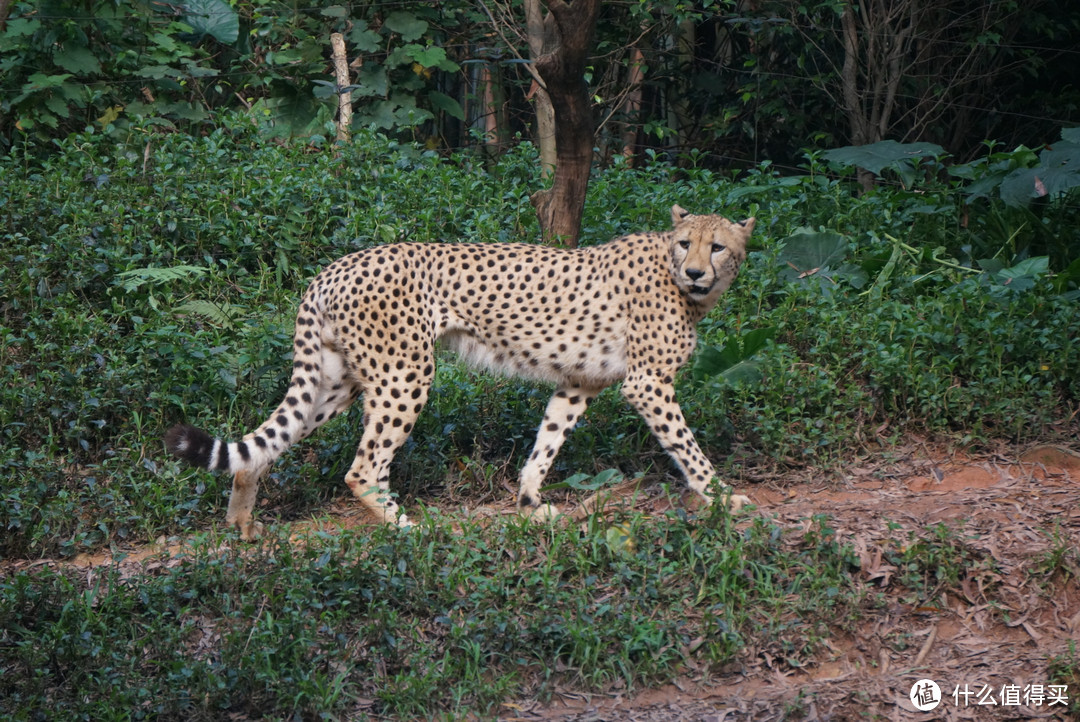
x: 1019, y: 277
x: 807, y: 252
x: 21, y: 26
x: 405, y: 24
x: 713, y: 360
x: 584, y: 482
x: 334, y: 11
x: 284, y: 57
x: 733, y: 363
x: 363, y: 39
x: 78, y: 60
x: 1029, y: 268
x: 214, y: 18
x: 222, y: 315
x: 40, y: 81
x: 290, y: 110
x: 131, y: 280
x: 756, y: 339
x: 186, y: 111
x: 883, y: 154
x: 372, y: 81
x: 446, y: 104
x: 744, y: 373
x: 57, y: 105
x: 431, y: 57
x: 399, y: 111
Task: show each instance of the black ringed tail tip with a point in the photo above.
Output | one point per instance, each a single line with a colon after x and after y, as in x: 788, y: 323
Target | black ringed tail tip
x: 193, y: 445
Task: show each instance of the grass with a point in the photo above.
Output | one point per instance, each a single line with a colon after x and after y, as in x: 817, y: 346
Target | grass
x: 134, y: 295
x: 450, y: 616
x: 1065, y: 670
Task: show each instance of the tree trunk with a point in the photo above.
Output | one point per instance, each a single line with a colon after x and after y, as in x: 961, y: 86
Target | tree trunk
x: 635, y: 76
x: 341, y: 74
x: 545, y: 114
x: 568, y: 37
x: 493, y: 108
x: 860, y: 127
x: 877, y: 36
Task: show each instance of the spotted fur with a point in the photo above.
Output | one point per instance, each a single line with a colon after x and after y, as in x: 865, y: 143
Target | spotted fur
x: 581, y: 319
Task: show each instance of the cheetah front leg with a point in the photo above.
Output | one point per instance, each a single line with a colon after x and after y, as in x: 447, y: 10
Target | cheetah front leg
x: 654, y: 399
x: 563, y: 410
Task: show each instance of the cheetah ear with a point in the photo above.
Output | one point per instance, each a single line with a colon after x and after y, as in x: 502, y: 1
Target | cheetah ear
x: 678, y: 214
x: 748, y: 225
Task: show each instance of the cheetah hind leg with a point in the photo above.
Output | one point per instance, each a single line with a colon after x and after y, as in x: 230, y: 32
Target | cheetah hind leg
x: 335, y: 394
x: 245, y: 487
x: 384, y: 433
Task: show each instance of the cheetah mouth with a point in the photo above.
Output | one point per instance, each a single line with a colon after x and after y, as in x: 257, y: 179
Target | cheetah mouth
x: 699, y: 290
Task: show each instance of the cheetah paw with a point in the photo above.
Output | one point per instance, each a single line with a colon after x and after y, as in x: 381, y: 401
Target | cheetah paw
x: 250, y: 530
x: 542, y: 512
x: 736, y: 502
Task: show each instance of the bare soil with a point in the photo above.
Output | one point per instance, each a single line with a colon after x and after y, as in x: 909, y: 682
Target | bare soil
x: 999, y: 627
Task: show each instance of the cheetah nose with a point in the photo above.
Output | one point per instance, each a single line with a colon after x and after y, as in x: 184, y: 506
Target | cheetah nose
x: 694, y: 274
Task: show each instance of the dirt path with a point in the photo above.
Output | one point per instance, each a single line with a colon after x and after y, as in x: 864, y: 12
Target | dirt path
x: 995, y: 631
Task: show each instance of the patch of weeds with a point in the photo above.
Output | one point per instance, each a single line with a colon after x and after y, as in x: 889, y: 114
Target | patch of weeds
x: 798, y: 707
x: 1064, y: 669
x: 939, y: 560
x: 1061, y: 561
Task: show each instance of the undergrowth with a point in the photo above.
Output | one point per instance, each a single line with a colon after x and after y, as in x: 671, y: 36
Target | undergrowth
x: 155, y: 280
x: 451, y: 616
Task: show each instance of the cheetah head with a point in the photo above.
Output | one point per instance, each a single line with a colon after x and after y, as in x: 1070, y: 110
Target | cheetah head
x: 706, y: 252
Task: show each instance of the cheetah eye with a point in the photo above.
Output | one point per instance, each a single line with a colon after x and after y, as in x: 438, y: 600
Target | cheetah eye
x: 716, y: 247
x: 685, y: 245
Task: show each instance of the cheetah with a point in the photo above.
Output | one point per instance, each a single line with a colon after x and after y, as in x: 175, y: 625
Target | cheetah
x: 580, y: 318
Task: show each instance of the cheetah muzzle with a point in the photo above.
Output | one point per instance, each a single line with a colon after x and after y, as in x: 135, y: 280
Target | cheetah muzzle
x: 581, y: 318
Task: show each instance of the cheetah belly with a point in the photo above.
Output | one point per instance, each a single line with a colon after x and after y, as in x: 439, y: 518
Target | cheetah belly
x: 541, y: 360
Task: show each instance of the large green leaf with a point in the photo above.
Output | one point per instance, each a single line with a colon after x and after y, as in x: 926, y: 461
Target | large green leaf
x: 77, y: 59
x: 807, y: 252
x: 1057, y: 172
x: 399, y: 110
x: 21, y: 26
x: 405, y: 24
x: 371, y: 81
x: 214, y: 18
x: 446, y: 104
x: 883, y: 154
x: 430, y: 57
x: 363, y: 39
x: 733, y: 363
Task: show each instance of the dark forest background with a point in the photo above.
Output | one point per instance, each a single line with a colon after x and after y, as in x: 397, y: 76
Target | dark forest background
x: 739, y: 82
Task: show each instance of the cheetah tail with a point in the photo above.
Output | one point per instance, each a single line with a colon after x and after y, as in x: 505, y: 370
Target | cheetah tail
x: 197, y: 447
x: 293, y: 420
